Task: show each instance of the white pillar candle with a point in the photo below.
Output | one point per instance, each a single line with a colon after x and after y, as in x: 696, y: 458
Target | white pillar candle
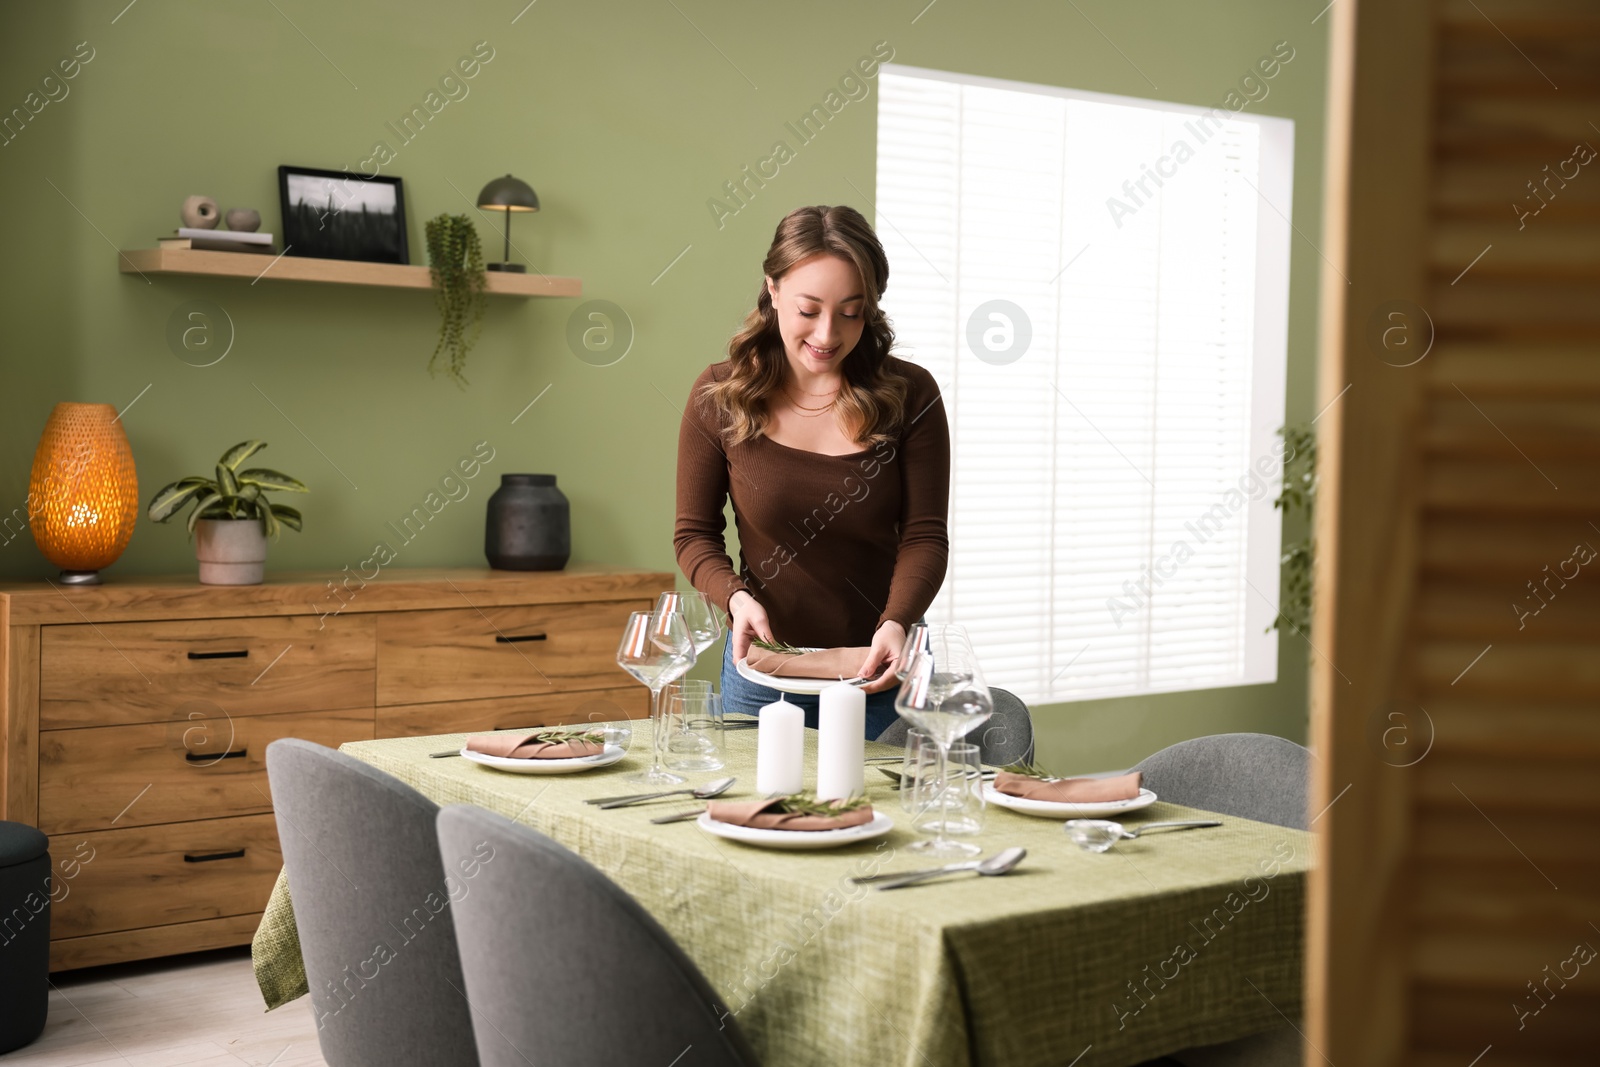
x: 780, y: 749
x: 841, y: 742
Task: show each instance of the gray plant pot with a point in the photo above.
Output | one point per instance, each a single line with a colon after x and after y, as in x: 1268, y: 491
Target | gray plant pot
x: 230, y: 551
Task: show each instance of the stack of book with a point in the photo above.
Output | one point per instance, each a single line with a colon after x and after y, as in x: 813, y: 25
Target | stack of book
x: 219, y: 241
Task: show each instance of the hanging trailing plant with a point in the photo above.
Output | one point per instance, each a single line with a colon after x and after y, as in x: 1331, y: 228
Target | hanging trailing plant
x: 455, y: 259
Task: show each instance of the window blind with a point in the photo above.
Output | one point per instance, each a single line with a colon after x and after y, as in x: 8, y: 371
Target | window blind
x: 1105, y: 312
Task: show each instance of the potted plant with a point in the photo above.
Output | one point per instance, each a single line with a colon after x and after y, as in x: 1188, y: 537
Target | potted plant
x: 232, y: 517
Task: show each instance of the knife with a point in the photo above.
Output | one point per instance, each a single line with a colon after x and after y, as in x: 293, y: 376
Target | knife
x: 681, y: 816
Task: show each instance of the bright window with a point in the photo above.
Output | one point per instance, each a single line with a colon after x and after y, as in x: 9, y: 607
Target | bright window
x: 1100, y: 286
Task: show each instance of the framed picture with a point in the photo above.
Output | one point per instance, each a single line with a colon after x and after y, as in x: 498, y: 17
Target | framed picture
x: 332, y: 214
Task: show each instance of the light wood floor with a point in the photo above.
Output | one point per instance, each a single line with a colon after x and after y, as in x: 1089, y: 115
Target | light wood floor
x: 186, y: 1011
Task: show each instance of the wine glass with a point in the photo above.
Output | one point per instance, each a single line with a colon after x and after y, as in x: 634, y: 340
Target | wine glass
x: 656, y: 649
x: 944, y: 693
x: 916, y: 641
x: 698, y: 615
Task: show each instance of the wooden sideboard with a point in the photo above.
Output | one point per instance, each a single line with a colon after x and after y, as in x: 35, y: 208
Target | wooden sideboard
x: 136, y: 717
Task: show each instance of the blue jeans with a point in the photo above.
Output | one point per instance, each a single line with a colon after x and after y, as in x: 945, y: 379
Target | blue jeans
x: 740, y: 696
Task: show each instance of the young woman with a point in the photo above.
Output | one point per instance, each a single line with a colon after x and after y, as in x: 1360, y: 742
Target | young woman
x: 836, y: 457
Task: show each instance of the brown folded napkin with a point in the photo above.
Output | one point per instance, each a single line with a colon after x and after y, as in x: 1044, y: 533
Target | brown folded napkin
x: 769, y: 815
x: 516, y: 745
x: 827, y: 663
x: 1069, y: 790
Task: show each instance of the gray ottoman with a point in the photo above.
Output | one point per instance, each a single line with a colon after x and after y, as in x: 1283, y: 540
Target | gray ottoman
x: 24, y: 933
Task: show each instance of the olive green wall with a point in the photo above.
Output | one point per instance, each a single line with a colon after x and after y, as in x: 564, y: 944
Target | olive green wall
x: 627, y: 118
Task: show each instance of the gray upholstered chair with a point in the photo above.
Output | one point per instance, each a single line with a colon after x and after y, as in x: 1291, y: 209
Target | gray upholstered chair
x: 373, y: 909
x: 1005, y: 739
x: 564, y: 967
x: 1253, y: 776
x: 1282, y: 1046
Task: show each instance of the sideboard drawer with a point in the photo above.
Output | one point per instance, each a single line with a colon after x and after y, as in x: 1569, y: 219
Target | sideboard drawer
x: 152, y: 876
x: 199, y: 768
x: 129, y: 672
x: 473, y: 654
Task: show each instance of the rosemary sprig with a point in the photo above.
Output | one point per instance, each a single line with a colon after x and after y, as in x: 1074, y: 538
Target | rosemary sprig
x: 557, y: 735
x: 808, y: 804
x: 778, y: 646
x: 1030, y: 770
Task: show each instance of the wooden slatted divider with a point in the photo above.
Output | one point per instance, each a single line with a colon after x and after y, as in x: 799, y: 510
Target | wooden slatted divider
x: 1460, y: 893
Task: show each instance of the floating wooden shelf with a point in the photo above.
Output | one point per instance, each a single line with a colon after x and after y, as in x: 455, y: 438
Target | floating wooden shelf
x: 256, y: 266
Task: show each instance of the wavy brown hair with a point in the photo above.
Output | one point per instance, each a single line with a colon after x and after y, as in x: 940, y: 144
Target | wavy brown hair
x: 872, y: 398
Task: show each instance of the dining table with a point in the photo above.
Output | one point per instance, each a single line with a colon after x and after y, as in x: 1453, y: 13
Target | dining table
x: 1074, y: 959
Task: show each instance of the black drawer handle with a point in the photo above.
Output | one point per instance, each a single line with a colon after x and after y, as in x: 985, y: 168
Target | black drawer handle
x: 209, y: 856
x: 201, y: 757
x: 243, y: 653
x: 518, y: 638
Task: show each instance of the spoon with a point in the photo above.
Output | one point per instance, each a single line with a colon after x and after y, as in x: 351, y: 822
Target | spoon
x: 1000, y: 863
x: 699, y: 792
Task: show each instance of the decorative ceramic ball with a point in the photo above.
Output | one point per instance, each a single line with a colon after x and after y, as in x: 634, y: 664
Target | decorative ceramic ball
x: 200, y: 213
x: 244, y: 219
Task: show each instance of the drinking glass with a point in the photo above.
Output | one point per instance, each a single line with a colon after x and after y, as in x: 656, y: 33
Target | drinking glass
x: 692, y: 686
x: 952, y: 804
x: 698, y: 615
x: 944, y: 693
x: 921, y: 758
x: 694, y: 730
x: 656, y: 649
x: 695, y: 688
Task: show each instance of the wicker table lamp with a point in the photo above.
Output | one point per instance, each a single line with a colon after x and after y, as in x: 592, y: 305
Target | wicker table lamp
x: 83, y: 497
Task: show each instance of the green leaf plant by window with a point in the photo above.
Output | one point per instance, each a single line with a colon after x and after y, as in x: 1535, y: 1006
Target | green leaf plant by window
x: 1100, y: 286
x: 1299, y: 494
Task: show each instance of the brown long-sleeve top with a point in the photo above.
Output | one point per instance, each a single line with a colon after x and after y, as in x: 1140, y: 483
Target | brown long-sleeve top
x: 831, y: 546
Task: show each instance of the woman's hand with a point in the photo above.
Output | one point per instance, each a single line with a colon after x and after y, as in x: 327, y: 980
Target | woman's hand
x: 884, y: 656
x: 749, y: 622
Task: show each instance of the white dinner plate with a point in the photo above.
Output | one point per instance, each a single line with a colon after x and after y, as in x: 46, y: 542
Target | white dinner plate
x: 798, y: 686
x: 612, y: 754
x: 1050, y: 809
x: 796, y: 840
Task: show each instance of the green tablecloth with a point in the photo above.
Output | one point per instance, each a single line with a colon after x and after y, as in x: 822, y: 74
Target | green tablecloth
x: 1172, y: 941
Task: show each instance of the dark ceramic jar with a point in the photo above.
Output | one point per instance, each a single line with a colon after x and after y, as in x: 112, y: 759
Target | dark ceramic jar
x: 529, y: 526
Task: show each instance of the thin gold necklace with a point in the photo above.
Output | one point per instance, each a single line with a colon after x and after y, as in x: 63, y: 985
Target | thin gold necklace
x: 801, y: 407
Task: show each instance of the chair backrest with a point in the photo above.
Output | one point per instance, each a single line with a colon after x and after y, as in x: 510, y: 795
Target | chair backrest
x: 1005, y: 739
x: 564, y: 967
x: 372, y: 905
x: 1253, y: 776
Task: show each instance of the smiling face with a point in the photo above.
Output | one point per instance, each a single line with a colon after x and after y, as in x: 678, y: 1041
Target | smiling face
x: 820, y: 304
